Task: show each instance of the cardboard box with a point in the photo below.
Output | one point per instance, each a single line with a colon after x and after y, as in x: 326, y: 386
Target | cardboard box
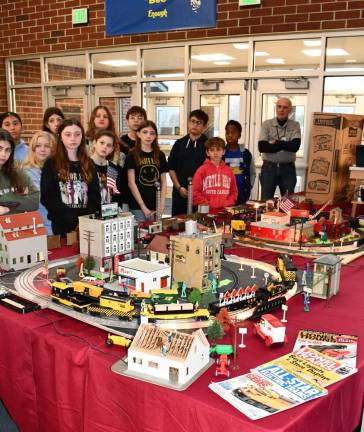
x: 332, y: 151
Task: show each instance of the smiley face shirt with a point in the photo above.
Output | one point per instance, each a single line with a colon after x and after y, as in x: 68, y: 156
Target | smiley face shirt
x: 146, y: 175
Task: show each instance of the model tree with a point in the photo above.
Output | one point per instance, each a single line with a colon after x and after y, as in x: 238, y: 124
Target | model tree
x: 89, y: 263
x: 215, y: 331
x: 224, y: 319
x: 194, y: 296
x: 207, y: 298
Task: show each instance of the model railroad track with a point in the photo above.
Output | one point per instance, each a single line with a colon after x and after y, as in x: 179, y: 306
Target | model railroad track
x: 232, y: 275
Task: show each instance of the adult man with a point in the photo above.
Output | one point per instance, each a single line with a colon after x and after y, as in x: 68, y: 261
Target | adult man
x: 279, y: 140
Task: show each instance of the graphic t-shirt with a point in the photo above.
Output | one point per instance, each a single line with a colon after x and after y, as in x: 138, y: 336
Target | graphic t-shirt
x: 74, y: 191
x: 240, y: 163
x: 146, y: 175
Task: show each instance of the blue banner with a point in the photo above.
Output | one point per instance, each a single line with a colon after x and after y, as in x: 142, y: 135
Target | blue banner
x: 144, y: 16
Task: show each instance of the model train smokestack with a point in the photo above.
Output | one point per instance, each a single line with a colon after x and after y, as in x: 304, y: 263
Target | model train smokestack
x: 189, y: 195
x: 158, y: 200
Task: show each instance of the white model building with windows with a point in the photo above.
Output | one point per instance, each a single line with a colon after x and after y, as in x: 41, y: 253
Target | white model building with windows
x: 168, y: 355
x: 144, y: 276
x: 105, y: 238
x: 23, y: 240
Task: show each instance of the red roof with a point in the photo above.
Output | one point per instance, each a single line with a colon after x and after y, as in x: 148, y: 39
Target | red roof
x: 20, y: 219
x: 23, y: 234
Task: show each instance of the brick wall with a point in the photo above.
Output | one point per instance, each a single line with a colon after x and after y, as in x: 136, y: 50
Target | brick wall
x: 35, y: 26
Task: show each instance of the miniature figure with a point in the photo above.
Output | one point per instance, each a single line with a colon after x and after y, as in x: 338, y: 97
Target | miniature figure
x: 306, y: 298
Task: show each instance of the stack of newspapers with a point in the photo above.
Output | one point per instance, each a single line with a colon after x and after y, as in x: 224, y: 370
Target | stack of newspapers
x: 318, y: 360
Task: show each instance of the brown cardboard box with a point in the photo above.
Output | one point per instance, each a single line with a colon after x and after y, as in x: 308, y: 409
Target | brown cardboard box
x: 331, y: 153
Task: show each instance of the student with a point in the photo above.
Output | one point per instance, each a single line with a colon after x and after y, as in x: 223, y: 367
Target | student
x: 101, y: 118
x: 17, y: 192
x: 134, y: 117
x: 146, y: 164
x: 187, y: 154
x: 69, y: 184
x: 41, y: 146
x: 240, y: 160
x: 103, y: 149
x: 11, y: 122
x: 214, y: 183
x: 52, y: 119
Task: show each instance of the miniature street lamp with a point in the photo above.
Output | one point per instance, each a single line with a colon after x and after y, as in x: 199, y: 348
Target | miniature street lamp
x: 284, y: 309
x: 242, y: 331
x: 253, y: 273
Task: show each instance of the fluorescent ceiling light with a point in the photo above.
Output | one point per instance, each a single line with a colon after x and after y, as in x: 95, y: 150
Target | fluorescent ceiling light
x: 118, y: 63
x: 336, y: 52
x: 260, y: 54
x: 312, y: 42
x: 316, y: 52
x: 212, y: 57
x: 351, y: 61
x: 345, y: 69
x: 222, y: 63
x: 241, y: 46
x: 172, y: 75
x: 275, y: 61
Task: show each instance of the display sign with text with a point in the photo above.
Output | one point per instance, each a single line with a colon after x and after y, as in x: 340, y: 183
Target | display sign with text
x: 144, y: 16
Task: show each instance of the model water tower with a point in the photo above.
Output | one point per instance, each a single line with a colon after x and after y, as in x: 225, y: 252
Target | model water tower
x: 326, y: 276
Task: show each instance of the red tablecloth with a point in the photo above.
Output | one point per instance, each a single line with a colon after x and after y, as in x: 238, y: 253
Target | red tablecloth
x: 55, y: 375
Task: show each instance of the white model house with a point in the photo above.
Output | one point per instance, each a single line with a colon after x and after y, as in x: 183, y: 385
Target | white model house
x: 144, y: 276
x: 23, y: 240
x: 106, y: 238
x: 169, y: 355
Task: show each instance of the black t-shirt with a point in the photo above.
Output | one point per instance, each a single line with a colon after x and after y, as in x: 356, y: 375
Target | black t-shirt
x: 186, y: 156
x: 128, y: 141
x: 107, y: 194
x: 146, y: 174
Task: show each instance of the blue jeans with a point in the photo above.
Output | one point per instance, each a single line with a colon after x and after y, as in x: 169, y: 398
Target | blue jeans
x: 139, y: 215
x: 275, y: 174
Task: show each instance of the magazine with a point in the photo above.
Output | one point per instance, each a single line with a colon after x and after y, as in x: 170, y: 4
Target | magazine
x: 257, y: 396
x: 309, y: 364
x: 339, y: 346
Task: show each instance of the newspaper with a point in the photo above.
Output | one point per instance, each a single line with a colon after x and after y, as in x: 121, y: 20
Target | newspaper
x: 257, y: 396
x: 339, y: 346
x: 311, y: 365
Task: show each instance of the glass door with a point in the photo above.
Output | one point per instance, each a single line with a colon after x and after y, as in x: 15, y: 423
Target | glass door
x: 118, y: 98
x: 305, y: 96
x: 72, y: 100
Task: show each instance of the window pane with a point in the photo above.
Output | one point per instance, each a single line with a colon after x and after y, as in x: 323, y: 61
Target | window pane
x: 28, y: 104
x: 220, y: 57
x: 168, y: 120
x: 163, y: 62
x: 66, y: 68
x: 282, y: 55
x: 71, y: 107
x: 344, y: 95
x: 27, y: 71
x: 345, y: 54
x: 114, y: 64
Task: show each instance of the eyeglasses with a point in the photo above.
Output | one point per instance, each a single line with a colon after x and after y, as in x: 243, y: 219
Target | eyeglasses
x: 196, y: 122
x: 283, y: 107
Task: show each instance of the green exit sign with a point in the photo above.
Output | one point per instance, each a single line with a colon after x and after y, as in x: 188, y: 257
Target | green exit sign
x: 79, y: 16
x: 249, y: 2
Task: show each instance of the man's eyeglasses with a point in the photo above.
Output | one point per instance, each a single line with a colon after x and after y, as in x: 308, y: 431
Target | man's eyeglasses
x: 196, y: 122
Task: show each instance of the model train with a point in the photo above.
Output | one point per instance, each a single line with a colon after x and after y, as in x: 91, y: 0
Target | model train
x: 264, y: 299
x: 155, y: 311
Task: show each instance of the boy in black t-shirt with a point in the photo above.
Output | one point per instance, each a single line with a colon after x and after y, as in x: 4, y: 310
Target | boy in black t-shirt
x: 134, y: 117
x: 187, y: 154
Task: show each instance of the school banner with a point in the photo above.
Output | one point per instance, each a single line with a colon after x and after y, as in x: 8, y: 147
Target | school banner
x: 142, y: 16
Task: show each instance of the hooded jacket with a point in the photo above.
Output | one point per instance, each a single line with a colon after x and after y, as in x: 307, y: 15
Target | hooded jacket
x: 214, y: 185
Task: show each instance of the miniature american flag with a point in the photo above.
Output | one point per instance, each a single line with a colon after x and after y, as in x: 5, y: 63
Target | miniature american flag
x: 111, y: 176
x: 286, y: 205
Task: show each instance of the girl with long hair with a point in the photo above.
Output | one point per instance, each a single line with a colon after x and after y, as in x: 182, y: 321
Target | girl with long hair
x: 103, y: 148
x: 41, y: 147
x: 52, y: 118
x: 69, y: 184
x: 11, y: 121
x: 17, y: 192
x: 146, y: 165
